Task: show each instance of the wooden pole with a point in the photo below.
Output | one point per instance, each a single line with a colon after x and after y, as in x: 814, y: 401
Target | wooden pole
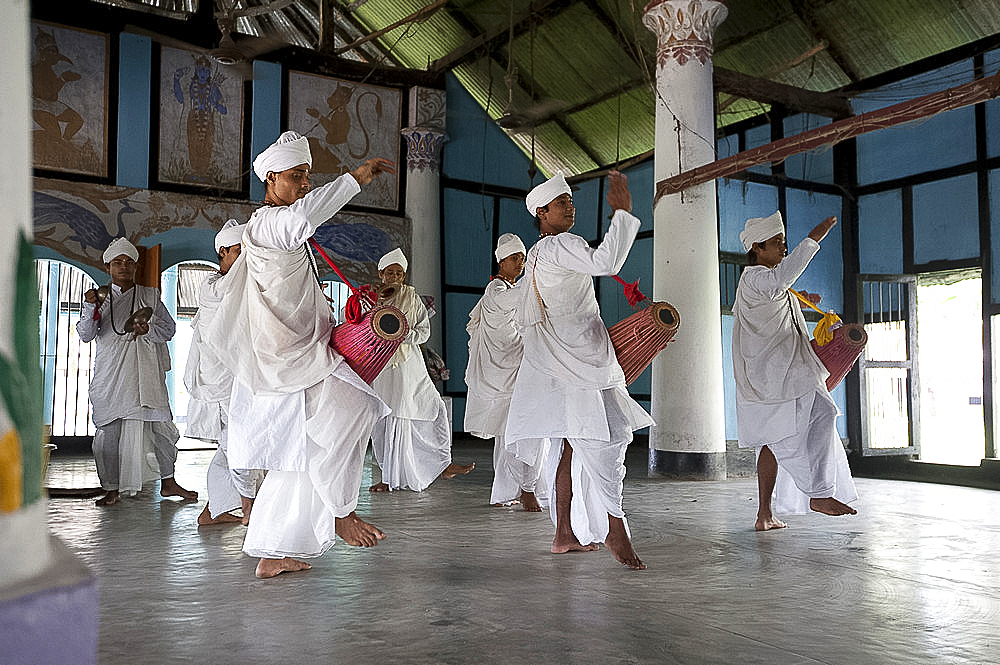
x: 776, y: 152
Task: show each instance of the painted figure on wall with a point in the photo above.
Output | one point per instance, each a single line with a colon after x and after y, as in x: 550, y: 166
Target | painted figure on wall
x: 336, y: 122
x: 203, y: 100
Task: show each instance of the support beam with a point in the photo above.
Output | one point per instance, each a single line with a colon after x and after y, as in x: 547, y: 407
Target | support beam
x: 915, y: 109
x: 420, y: 15
x: 826, y: 104
x: 490, y: 41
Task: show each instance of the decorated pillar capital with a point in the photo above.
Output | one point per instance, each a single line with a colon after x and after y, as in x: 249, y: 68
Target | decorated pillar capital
x: 423, y: 148
x: 684, y: 29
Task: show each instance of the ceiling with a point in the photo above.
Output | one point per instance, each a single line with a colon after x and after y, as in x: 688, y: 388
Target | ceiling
x: 575, y: 76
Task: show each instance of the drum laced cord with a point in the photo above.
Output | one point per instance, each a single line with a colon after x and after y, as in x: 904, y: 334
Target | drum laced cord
x: 355, y: 308
x: 824, y: 329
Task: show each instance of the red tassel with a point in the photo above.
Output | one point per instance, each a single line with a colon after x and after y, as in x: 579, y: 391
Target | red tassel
x: 631, y: 291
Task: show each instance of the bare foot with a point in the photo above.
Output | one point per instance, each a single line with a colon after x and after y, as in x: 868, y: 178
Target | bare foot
x: 169, y: 487
x: 564, y: 545
x: 830, y: 506
x: 457, y: 469
x: 109, y: 499
x: 620, y: 546
x: 274, y: 567
x: 506, y: 504
x: 225, y: 518
x: 529, y: 502
x: 379, y: 487
x: 766, y: 523
x: 247, y: 507
x: 355, y: 531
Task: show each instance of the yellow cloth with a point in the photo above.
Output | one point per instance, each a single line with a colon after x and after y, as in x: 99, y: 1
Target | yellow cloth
x: 822, y: 332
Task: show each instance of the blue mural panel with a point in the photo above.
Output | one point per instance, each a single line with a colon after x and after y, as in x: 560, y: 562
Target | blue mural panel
x: 951, y: 204
x: 815, y: 165
x: 738, y: 202
x: 825, y: 274
x: 939, y: 141
x: 468, y: 238
x: 880, y: 233
x: 477, y: 149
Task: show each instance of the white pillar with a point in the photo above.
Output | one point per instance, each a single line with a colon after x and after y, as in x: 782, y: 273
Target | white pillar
x: 425, y: 137
x: 689, y: 439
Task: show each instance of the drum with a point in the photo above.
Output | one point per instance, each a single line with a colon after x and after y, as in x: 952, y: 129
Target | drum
x: 638, y: 338
x: 368, y: 344
x: 840, y: 354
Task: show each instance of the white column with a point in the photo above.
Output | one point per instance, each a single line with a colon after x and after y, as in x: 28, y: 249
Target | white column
x: 425, y: 138
x: 689, y: 439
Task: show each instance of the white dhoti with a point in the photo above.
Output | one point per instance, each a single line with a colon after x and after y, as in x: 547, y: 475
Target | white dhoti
x: 131, y: 452
x: 295, y: 511
x: 226, y: 487
x: 412, y: 453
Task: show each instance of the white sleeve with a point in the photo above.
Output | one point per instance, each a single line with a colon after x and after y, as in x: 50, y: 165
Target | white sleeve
x: 773, y: 283
x: 420, y: 324
x: 573, y: 253
x: 161, y: 326
x: 288, y: 227
x: 87, y: 328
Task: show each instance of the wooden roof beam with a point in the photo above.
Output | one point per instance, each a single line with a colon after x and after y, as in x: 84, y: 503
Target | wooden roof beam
x: 827, y: 104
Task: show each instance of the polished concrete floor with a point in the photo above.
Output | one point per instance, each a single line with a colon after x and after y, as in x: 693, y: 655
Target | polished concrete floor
x: 914, y: 578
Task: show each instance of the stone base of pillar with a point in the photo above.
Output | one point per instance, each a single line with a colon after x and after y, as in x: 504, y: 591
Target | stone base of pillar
x: 687, y: 466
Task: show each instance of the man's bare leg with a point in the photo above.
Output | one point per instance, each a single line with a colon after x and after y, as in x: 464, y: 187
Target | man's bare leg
x: 169, y: 487
x: 565, y: 540
x: 620, y: 545
x: 457, y: 469
x: 273, y: 567
x: 225, y: 518
x: 247, y: 504
x: 529, y: 502
x: 767, y: 475
x: 355, y: 531
x: 830, y: 506
x: 109, y: 499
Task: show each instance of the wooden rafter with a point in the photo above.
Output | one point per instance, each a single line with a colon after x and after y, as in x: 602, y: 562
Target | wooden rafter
x: 776, y: 152
x: 828, y: 105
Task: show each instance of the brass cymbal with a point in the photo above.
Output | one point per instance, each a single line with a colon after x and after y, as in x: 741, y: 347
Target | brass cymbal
x: 141, y: 315
x: 102, y: 293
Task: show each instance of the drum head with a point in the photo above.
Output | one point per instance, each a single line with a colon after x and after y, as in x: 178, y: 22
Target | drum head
x: 665, y: 316
x: 389, y: 323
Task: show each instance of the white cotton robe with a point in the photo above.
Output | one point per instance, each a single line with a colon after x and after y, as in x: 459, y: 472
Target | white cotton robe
x: 781, y: 396
x: 210, y: 384
x: 412, y: 445
x: 570, y: 385
x: 136, y: 437
x: 495, y: 351
x: 297, y: 410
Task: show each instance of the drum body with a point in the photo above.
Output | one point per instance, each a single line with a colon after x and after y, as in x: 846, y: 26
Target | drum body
x: 368, y: 344
x: 840, y: 354
x: 638, y: 338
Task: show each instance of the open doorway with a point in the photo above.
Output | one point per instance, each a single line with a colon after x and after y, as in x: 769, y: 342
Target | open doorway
x: 950, y: 357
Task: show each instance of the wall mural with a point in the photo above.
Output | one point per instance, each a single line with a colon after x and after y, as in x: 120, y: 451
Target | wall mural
x: 79, y: 221
x: 347, y: 123
x: 69, y: 77
x: 201, y: 121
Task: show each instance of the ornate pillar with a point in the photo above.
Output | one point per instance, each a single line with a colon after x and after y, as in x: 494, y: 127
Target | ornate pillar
x: 425, y: 138
x: 689, y: 440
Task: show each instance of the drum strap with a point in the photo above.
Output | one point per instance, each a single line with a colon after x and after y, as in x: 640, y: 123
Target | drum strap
x: 823, y: 331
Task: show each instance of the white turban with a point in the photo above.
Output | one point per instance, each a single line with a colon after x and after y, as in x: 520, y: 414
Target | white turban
x: 545, y: 193
x: 509, y: 243
x: 290, y: 150
x: 759, y: 229
x: 395, y: 256
x: 231, y: 234
x: 118, y: 247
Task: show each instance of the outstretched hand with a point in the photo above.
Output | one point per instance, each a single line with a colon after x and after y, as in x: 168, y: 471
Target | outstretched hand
x: 619, y: 198
x: 371, y: 169
x: 821, y: 229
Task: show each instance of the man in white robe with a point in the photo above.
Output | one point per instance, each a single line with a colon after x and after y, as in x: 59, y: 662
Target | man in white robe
x: 297, y: 410
x: 783, y: 408
x: 495, y: 351
x: 570, y: 387
x: 136, y: 437
x: 210, y: 385
x: 412, y: 446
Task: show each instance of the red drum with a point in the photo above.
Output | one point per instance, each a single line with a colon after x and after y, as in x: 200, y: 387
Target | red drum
x: 368, y: 344
x: 638, y: 338
x: 840, y: 354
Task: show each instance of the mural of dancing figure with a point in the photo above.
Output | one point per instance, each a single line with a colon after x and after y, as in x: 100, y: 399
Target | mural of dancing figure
x: 204, y: 100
